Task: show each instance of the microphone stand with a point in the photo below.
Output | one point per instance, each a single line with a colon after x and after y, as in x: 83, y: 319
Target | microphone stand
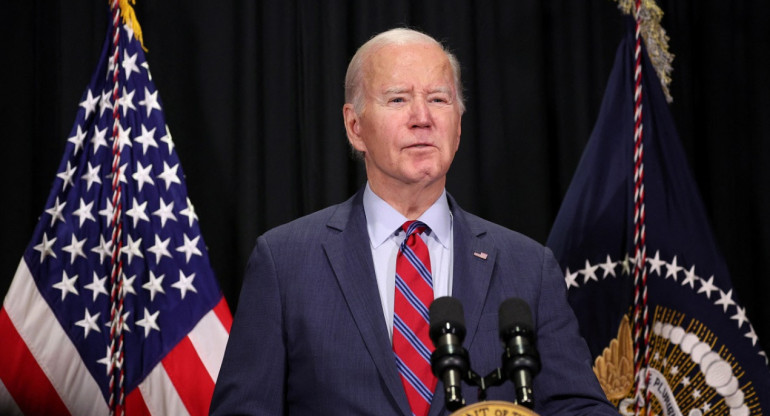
x: 495, y: 378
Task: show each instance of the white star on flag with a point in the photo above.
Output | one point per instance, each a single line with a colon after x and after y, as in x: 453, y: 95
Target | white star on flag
x: 91, y: 176
x: 46, y: 247
x: 128, y: 285
x: 142, y: 175
x: 707, y: 286
x: 673, y: 269
x: 99, y: 139
x: 167, y: 139
x: 571, y: 279
x: 137, y: 212
x: 725, y: 299
x: 689, y: 277
x: 129, y: 64
x: 146, y: 139
x: 77, y: 139
x: 89, y: 104
x: 184, y: 284
x: 105, y: 104
x: 160, y: 249
x: 189, y: 248
x: 75, y: 248
x: 127, y: 101
x: 169, y: 174
x: 88, y: 323
x: 124, y: 137
x: 56, y: 211
x: 66, y: 176
x: 165, y: 212
x: 66, y: 285
x: 104, y: 249
x: 84, y: 212
x: 149, y: 322
x: 154, y: 285
x: 132, y: 248
x: 589, y: 272
x: 150, y: 101
x: 189, y: 212
x: 97, y: 286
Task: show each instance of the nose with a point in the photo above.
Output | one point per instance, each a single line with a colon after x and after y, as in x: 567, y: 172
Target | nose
x: 421, y: 116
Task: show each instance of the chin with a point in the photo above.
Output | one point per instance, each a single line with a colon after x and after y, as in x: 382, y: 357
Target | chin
x: 428, y: 176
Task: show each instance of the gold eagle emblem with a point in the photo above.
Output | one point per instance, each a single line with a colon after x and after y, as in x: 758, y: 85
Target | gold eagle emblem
x: 615, y: 367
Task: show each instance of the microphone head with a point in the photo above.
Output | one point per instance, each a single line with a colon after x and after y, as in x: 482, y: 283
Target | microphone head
x: 521, y: 362
x: 446, y: 316
x: 514, y: 313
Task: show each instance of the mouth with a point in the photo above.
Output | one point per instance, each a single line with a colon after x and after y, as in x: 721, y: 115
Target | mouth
x: 419, y: 146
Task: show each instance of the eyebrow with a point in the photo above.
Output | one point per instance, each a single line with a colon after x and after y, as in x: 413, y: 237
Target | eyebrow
x: 402, y: 90
x: 397, y: 90
x: 445, y: 90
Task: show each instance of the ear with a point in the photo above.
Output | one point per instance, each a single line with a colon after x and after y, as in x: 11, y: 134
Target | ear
x: 353, y: 127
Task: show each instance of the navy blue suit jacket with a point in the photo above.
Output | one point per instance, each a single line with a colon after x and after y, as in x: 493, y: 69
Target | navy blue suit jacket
x: 309, y: 336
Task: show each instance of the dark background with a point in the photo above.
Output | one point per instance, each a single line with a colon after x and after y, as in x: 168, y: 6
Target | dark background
x: 252, y: 92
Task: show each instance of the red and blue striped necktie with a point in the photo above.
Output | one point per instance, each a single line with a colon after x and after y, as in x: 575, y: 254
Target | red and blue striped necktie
x: 413, y: 295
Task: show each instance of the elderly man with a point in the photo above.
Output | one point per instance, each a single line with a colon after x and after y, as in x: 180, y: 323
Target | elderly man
x: 332, y: 315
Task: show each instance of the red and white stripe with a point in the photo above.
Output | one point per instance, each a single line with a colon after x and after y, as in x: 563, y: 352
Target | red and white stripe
x: 41, y: 372
x: 641, y: 312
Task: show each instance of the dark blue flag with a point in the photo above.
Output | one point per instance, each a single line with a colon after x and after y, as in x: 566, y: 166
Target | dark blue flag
x: 704, y: 356
x: 114, y: 306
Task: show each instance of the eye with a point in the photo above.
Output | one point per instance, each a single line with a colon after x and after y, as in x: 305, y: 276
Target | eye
x: 396, y: 100
x: 442, y: 99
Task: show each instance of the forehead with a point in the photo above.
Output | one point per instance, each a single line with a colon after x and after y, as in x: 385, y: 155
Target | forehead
x: 418, y: 65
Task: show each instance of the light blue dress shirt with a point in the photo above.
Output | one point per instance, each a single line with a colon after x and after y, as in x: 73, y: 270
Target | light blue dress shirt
x: 383, y: 223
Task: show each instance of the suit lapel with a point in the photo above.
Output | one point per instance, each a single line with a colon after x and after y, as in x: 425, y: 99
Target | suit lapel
x: 350, y: 256
x: 474, y: 260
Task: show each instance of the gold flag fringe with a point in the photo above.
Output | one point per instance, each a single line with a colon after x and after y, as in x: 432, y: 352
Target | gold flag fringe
x: 655, y: 39
x: 129, y: 18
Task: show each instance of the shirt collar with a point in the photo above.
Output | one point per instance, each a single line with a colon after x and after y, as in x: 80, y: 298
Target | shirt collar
x: 382, y: 220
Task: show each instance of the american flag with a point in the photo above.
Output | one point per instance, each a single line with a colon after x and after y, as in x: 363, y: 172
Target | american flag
x: 118, y: 216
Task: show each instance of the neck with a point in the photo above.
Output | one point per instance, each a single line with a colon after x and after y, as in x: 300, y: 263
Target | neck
x: 410, y: 200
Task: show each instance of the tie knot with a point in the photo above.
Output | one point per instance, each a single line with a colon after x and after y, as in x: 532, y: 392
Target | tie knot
x: 414, y: 227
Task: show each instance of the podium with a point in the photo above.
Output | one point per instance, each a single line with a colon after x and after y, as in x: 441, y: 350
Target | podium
x: 494, y: 408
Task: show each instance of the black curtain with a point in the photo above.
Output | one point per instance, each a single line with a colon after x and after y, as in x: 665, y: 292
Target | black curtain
x: 252, y: 92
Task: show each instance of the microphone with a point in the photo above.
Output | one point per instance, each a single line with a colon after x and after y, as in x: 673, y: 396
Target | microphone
x: 449, y: 361
x: 521, y: 362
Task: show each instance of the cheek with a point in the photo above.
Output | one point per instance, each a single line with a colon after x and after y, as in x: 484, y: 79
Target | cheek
x: 384, y: 138
x: 389, y: 125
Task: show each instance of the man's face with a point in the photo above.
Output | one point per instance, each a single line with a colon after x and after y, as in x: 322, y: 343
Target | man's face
x: 409, y: 129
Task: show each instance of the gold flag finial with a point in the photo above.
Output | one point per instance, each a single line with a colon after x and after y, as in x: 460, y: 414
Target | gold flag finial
x: 655, y: 39
x: 129, y: 18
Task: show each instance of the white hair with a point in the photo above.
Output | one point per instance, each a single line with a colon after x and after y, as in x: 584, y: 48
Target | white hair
x: 354, y: 91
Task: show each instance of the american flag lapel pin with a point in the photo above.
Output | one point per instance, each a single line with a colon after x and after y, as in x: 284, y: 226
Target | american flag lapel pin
x: 482, y: 255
